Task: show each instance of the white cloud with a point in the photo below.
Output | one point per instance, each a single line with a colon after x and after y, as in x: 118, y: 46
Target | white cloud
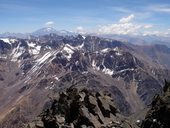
x: 121, y: 9
x: 126, y: 28
x: 157, y: 33
x: 144, y: 14
x: 160, y: 8
x: 80, y: 30
x: 165, y: 33
x: 127, y: 19
x: 49, y: 23
x: 126, y: 25
x: 147, y: 26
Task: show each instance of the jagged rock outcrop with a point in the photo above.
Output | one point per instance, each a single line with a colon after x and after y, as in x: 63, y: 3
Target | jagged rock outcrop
x: 159, y: 114
x: 80, y: 108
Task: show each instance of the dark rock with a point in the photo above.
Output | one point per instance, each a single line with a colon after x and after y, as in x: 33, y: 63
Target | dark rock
x: 159, y: 114
x: 4, y: 47
x: 1, y: 78
x: 78, y: 108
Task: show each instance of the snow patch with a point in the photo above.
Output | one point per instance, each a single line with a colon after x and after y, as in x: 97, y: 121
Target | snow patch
x: 118, y: 54
x: 85, y: 72
x: 13, y: 40
x: 138, y: 121
x: 42, y: 61
x: 128, y: 69
x: 27, y: 79
x: 49, y: 29
x: 105, y: 50
x: 31, y: 44
x: 17, y: 52
x: 94, y: 66
x: 154, y: 120
x: 44, y: 58
x: 134, y: 59
x: 108, y: 71
x: 50, y: 87
x: 46, y: 88
x: 34, y: 49
x: 3, y: 57
x: 80, y: 46
x: 84, y: 37
x: 7, y: 40
x: 69, y: 50
x: 96, y: 52
x: 77, y: 63
x: 38, y: 47
x: 117, y: 50
x: 48, y: 47
x: 105, y: 70
x: 56, y: 78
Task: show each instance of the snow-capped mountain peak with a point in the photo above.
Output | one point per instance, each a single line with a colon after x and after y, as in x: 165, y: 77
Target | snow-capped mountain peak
x: 44, y: 31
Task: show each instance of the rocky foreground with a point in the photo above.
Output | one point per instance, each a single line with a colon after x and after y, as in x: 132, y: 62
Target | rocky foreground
x: 80, y: 109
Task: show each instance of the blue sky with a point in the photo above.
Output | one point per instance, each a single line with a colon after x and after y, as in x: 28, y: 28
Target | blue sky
x: 85, y: 15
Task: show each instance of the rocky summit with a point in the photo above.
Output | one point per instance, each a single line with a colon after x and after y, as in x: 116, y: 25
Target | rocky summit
x: 80, y: 108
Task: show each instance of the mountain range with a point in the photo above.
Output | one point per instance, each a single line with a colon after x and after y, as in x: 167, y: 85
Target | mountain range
x: 39, y: 32
x: 134, y: 39
x: 34, y: 69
